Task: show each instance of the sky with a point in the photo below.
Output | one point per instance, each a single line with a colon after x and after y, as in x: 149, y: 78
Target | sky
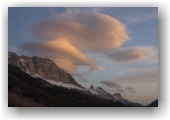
x: 115, y: 48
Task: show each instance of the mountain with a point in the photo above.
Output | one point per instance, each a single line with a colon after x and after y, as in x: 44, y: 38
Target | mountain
x: 42, y: 67
x: 100, y: 92
x: 35, y: 81
x: 27, y: 91
x: 153, y: 104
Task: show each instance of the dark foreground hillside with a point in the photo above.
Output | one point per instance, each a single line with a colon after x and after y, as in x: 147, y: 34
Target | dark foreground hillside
x: 153, y: 104
x: 24, y: 90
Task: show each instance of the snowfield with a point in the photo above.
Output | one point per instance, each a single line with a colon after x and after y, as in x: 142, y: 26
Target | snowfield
x: 69, y: 86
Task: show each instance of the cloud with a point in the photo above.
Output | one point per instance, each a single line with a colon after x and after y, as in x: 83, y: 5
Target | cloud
x: 73, y: 9
x: 84, y: 9
x: 62, y: 53
x: 83, y: 80
x: 127, y: 55
x: 132, y: 54
x: 130, y: 89
x: 110, y: 84
x: 118, y: 87
x: 66, y: 37
x: 85, y: 31
x: 80, y: 75
x: 119, y: 90
x: 139, y: 77
x: 12, y: 48
x: 126, y: 14
x: 142, y: 15
x: 53, y: 10
x: 125, y: 83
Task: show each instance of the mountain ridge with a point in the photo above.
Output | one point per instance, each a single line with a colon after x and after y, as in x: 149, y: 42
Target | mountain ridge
x: 27, y: 91
x: 36, y: 67
x: 44, y: 67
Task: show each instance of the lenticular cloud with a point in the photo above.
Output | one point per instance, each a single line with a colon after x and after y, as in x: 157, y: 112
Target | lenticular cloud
x: 85, y: 31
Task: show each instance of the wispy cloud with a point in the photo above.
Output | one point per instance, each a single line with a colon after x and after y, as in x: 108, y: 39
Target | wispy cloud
x: 12, y: 48
x: 110, y: 84
x: 118, y: 87
x: 125, y: 83
x: 83, y: 80
x: 139, y: 77
x: 73, y: 9
x: 127, y: 15
x: 53, y: 11
x: 142, y: 15
x: 128, y: 55
x: 132, y: 54
x: 130, y: 89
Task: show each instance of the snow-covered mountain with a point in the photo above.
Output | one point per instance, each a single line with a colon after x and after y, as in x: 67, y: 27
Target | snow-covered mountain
x: 48, y: 71
x: 27, y: 91
x: 42, y: 67
x: 98, y: 91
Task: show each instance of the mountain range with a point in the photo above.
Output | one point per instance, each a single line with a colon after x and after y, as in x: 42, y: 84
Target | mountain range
x: 36, y: 81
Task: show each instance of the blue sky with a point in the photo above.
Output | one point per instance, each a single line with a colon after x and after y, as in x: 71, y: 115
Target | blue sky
x: 116, y: 48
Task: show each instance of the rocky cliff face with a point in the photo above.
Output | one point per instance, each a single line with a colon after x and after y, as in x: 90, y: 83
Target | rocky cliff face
x: 44, y: 67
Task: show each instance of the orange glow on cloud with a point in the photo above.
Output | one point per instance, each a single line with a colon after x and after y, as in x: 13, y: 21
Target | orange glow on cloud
x: 64, y: 46
x: 87, y: 32
x: 63, y: 53
x: 69, y: 55
x: 66, y: 37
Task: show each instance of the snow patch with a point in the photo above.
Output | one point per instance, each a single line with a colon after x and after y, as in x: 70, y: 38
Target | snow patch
x: 35, y: 75
x: 93, y: 92
x: 68, y: 86
x: 22, y: 61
